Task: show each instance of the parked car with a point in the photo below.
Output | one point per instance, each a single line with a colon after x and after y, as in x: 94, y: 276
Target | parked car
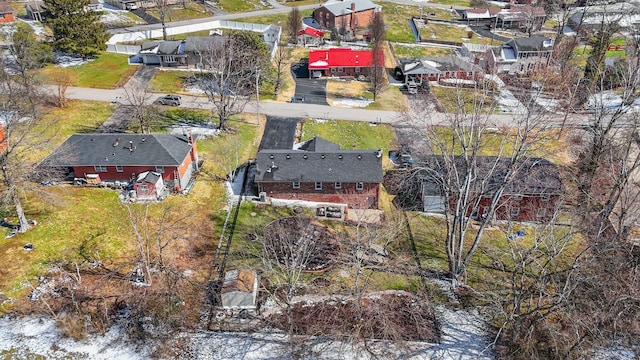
x: 173, y: 100
x: 131, y: 6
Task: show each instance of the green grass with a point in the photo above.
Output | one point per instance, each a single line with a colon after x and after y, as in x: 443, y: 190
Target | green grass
x: 396, y: 17
x: 178, y: 12
x: 294, y: 3
x: 454, y: 3
x: 238, y: 6
x: 185, y: 35
x: 88, y: 218
x: 272, y: 18
x: 445, y: 32
x: 351, y: 135
x: 420, y: 51
x: 449, y: 98
x: 108, y: 71
x: 169, y: 81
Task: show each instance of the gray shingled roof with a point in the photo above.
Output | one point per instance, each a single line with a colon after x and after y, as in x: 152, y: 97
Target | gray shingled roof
x: 203, y: 43
x: 170, y: 47
x: 114, y: 149
x: 338, y: 7
x: 318, y: 144
x: 533, y: 43
x: 319, y: 165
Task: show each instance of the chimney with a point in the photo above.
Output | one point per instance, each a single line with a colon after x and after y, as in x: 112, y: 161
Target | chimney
x: 353, y: 6
x: 194, y: 152
x: 131, y: 147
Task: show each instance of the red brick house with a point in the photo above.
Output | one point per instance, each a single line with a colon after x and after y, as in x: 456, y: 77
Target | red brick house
x: 123, y: 157
x: 6, y: 13
x: 437, y: 68
x: 345, y: 15
x: 533, y: 195
x: 342, y: 62
x: 317, y: 170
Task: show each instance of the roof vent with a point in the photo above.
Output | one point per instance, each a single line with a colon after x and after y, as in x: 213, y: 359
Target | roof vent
x: 271, y: 156
x: 340, y: 156
x: 305, y: 156
x: 359, y: 157
x: 322, y: 156
x: 115, y: 143
x: 144, y: 139
x: 288, y: 156
x: 379, y: 153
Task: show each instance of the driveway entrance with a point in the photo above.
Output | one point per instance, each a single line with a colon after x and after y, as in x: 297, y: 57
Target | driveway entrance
x: 310, y: 91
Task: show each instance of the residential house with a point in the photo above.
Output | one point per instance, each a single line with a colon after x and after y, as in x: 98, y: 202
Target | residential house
x: 148, y: 186
x: 588, y: 19
x: 136, y: 4
x: 309, y: 36
x: 36, y: 10
x: 199, y: 50
x: 163, y: 53
x: 534, y: 193
x: 240, y: 291
x: 345, y: 16
x: 524, y: 17
x: 477, y: 16
x: 318, y: 170
x: 520, y: 55
x: 123, y: 157
x: 6, y: 13
x: 95, y: 5
x: 419, y: 70
x: 342, y: 62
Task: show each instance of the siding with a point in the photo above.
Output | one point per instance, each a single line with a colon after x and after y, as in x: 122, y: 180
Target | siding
x: 367, y: 198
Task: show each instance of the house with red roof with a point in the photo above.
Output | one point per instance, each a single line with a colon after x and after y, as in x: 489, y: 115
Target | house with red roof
x: 342, y: 62
x: 310, y: 36
x: 6, y: 13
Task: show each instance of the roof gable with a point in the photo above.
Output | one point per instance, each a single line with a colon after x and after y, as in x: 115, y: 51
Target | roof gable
x: 121, y: 150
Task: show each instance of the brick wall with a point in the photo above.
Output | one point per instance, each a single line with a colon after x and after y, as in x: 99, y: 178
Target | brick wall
x: 367, y: 198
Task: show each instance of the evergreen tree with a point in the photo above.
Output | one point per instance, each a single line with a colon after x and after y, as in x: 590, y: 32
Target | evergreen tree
x: 76, y: 29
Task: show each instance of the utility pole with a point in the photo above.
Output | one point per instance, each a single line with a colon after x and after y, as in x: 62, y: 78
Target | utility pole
x: 258, y: 94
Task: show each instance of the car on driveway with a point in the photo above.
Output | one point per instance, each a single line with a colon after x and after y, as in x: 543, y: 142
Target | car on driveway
x: 173, y: 100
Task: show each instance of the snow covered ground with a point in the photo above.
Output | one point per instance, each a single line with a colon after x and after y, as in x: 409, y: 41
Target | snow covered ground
x: 346, y: 102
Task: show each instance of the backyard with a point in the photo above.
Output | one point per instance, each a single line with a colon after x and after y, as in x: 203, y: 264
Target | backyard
x: 107, y: 71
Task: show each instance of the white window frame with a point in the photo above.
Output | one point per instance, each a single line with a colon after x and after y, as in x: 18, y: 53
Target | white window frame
x: 518, y: 197
x: 357, y: 70
x: 318, y: 186
x: 545, y: 197
x: 296, y: 184
x: 542, y: 212
x: 100, y: 168
x: 360, y: 186
x: 119, y: 168
x: 338, y: 185
x: 160, y: 169
x: 340, y: 69
x: 327, y: 16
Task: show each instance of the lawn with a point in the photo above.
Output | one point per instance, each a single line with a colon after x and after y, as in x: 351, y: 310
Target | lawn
x: 454, y: 3
x: 450, y: 97
x: 280, y: 19
x: 238, y: 6
x: 455, y: 33
x: 181, y: 36
x: 402, y: 51
x: 549, y: 144
x: 108, y: 71
x: 389, y: 99
x: 192, y: 10
x: 396, y: 17
x: 169, y: 81
x: 294, y: 3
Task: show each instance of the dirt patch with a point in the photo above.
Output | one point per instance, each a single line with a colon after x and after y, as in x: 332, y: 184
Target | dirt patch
x: 301, y: 243
x: 385, y: 315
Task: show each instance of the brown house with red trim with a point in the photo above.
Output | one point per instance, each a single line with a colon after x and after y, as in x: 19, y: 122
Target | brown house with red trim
x: 533, y: 195
x: 437, y: 68
x: 319, y: 171
x: 345, y: 15
x: 6, y: 13
x: 123, y: 157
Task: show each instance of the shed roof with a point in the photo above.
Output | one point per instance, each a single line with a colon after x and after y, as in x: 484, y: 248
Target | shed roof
x: 5, y: 8
x: 121, y: 150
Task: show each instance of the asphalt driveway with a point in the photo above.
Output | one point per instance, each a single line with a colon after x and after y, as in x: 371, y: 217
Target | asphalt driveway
x: 279, y: 133
x: 313, y: 91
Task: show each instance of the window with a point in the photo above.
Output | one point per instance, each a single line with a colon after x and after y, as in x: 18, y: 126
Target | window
x: 318, y: 186
x: 470, y: 73
x: 100, y: 168
x: 119, y: 168
x: 359, y: 186
x: 296, y: 184
x: 340, y: 69
x: 327, y: 16
x: 517, y: 197
x: 321, y: 14
x: 542, y: 212
x: 338, y: 185
x: 515, y: 212
x: 333, y: 69
x: 357, y: 70
x: 545, y: 197
x: 160, y: 169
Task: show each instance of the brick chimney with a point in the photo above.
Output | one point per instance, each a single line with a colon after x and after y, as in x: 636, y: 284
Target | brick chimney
x: 352, y: 21
x: 194, y: 152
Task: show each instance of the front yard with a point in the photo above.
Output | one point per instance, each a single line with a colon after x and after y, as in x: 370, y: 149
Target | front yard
x: 107, y: 71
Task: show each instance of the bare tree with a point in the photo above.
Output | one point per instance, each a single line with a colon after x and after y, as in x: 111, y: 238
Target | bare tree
x: 281, y: 62
x: 230, y: 67
x: 378, y: 75
x: 294, y: 22
x: 138, y: 98
x: 164, y: 7
x: 62, y: 78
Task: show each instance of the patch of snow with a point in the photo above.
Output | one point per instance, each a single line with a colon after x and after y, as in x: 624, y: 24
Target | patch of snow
x: 614, y: 354
x: 608, y: 100
x: 352, y: 102
x: 197, y: 130
x: 37, y: 27
x: 66, y: 60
